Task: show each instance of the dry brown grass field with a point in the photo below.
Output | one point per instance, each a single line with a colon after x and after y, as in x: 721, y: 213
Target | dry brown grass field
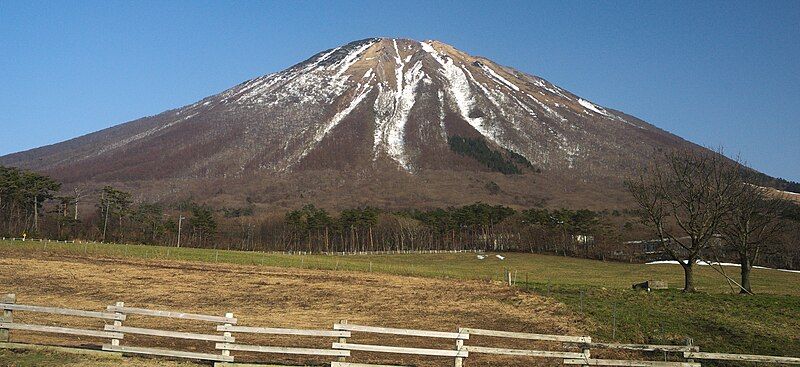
x: 274, y: 297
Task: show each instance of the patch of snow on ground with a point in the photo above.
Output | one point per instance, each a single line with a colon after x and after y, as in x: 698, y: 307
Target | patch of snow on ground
x: 706, y: 263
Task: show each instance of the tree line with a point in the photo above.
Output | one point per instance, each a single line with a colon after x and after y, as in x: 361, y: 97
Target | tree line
x: 477, y: 226
x: 684, y: 202
x: 32, y: 204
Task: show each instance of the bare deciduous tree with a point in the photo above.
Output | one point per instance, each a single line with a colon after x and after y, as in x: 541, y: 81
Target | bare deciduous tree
x: 788, y: 248
x: 753, y: 221
x: 684, y: 196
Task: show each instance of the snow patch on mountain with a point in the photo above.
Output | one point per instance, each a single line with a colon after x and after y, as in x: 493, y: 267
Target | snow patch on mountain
x: 318, y: 81
x: 525, y: 107
x: 459, y: 88
x: 362, y: 90
x: 551, y: 112
x: 595, y: 108
x: 443, y: 130
x: 350, y: 59
x: 461, y: 92
x: 392, y: 108
x: 142, y: 135
x: 555, y: 90
x: 491, y: 73
x: 405, y: 101
x: 488, y: 94
x: 591, y: 106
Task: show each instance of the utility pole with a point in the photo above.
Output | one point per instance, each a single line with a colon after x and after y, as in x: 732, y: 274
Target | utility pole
x: 180, y: 219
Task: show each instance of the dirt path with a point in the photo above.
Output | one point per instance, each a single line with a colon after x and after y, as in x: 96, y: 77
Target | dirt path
x: 274, y: 297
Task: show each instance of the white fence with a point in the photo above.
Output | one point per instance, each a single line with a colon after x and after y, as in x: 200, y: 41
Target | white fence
x: 343, y: 339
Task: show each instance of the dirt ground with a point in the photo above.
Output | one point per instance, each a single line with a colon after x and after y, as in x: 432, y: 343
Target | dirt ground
x: 273, y: 297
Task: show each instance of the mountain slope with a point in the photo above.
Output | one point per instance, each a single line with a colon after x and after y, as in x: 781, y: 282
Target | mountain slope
x: 380, y: 116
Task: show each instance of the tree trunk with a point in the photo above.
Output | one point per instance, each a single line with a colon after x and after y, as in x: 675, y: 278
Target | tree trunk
x: 688, y: 280
x: 746, y: 267
x: 36, y: 213
x: 371, y: 244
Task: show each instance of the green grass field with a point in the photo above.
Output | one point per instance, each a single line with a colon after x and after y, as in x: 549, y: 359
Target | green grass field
x: 716, y: 318
x: 538, y: 270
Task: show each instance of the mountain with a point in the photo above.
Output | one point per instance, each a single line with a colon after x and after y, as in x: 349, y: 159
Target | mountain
x: 381, y: 121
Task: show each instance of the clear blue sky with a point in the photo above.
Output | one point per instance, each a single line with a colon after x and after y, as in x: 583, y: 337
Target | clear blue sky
x: 718, y: 73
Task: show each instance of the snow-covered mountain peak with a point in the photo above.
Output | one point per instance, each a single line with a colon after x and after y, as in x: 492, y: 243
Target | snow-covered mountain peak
x: 371, y: 105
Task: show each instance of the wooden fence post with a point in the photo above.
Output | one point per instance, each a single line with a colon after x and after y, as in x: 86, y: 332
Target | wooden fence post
x: 459, y: 362
x: 227, y: 334
x: 342, y: 340
x: 586, y: 352
x: 117, y: 323
x: 689, y: 342
x: 6, y: 316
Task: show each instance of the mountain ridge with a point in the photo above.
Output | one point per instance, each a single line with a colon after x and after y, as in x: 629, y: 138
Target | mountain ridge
x: 379, y: 106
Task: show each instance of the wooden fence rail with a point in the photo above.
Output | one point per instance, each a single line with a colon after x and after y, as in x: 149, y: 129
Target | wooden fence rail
x: 171, y: 314
x: 515, y: 335
x: 645, y: 347
x: 742, y: 357
x: 8, y: 305
x: 582, y: 355
x: 405, y: 332
x: 60, y: 330
x: 62, y: 311
x: 349, y: 364
x: 627, y: 363
x: 572, y: 350
x: 283, y: 350
x: 458, y: 353
x: 120, y: 309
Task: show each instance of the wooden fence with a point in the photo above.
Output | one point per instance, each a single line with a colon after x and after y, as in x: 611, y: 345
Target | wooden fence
x: 342, y: 253
x: 343, y: 338
x: 37, y: 240
x: 120, y: 309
